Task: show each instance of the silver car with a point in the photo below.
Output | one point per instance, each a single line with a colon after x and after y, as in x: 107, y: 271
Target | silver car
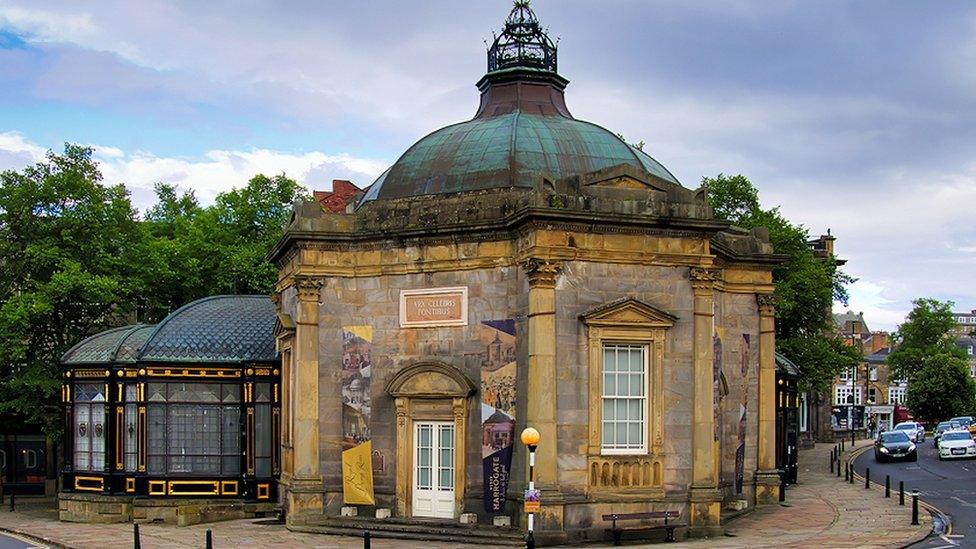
x: 913, y: 429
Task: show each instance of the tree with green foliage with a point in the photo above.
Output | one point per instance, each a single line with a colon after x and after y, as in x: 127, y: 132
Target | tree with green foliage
x: 925, y: 354
x: 78, y: 259
x: 69, y: 247
x: 806, y: 285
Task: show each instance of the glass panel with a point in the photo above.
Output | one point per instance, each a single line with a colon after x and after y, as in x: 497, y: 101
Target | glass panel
x: 262, y: 439
x: 425, y: 436
x: 424, y: 481
x: 424, y: 457
x: 130, y: 392
x: 231, y: 392
x: 157, y: 392
x: 447, y: 437
x: 262, y: 392
x: 446, y: 480
x: 98, y: 435
x: 623, y: 384
x: 130, y: 434
x: 82, y: 432
x: 608, y: 433
x: 608, y: 359
x: 634, y: 434
x: 157, y: 438
x: 609, y: 384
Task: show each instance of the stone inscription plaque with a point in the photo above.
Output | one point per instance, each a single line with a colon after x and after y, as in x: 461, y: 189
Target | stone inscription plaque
x: 434, y: 307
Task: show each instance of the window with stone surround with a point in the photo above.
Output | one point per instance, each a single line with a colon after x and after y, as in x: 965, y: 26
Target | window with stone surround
x: 624, y: 400
x: 625, y: 342
x: 896, y: 395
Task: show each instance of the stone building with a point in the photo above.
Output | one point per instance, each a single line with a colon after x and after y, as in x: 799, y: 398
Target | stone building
x: 638, y: 329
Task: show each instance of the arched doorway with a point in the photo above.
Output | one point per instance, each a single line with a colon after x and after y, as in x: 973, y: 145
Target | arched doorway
x: 431, y: 409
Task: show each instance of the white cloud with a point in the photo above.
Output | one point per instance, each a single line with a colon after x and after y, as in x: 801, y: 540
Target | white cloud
x: 218, y: 171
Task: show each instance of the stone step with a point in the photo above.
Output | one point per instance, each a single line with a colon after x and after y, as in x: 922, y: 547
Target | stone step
x: 399, y: 528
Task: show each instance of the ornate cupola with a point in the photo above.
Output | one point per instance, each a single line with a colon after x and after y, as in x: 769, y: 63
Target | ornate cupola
x: 522, y: 69
x: 521, y: 134
x: 522, y: 43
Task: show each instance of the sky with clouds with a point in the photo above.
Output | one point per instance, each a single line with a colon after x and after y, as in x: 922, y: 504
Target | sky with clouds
x: 857, y: 116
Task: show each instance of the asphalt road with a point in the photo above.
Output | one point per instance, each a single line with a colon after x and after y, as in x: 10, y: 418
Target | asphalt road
x: 949, y: 485
x: 7, y: 542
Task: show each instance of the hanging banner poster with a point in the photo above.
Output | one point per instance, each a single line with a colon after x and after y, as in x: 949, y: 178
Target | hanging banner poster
x: 740, y: 451
x: 356, y: 366
x: 357, y: 475
x: 498, y: 375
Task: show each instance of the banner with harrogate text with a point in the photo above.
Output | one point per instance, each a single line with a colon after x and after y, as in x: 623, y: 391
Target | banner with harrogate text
x: 498, y: 376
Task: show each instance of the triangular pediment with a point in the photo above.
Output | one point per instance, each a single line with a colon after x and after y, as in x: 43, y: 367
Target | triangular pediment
x: 628, y: 311
x: 622, y: 176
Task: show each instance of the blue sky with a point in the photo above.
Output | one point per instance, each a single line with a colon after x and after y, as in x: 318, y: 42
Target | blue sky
x: 857, y: 116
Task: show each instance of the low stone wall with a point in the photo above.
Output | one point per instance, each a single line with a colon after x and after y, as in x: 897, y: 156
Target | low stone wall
x: 102, y: 509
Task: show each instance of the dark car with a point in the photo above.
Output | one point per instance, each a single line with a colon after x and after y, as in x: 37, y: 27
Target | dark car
x: 894, y: 445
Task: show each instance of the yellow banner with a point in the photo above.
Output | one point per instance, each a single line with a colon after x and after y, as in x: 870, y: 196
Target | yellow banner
x: 357, y: 475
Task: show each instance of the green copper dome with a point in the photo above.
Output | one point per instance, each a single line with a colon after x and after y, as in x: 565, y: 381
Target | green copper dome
x: 522, y: 133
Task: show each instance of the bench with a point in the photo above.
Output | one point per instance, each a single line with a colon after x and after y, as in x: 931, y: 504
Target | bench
x: 668, y: 526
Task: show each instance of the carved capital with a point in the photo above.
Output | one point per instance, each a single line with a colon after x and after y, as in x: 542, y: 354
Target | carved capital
x: 767, y: 304
x: 704, y: 278
x: 309, y: 288
x: 542, y: 272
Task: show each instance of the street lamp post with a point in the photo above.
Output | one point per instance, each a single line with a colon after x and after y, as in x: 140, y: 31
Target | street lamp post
x: 530, y: 437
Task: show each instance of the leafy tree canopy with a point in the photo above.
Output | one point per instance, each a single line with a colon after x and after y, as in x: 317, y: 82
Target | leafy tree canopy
x: 78, y: 259
x: 806, y: 285
x: 925, y: 354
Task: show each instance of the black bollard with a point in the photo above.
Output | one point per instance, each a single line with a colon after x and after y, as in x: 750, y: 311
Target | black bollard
x: 530, y: 541
x: 12, y: 496
x: 847, y: 471
x: 887, y: 486
x: 831, y: 463
x: 901, y: 492
x: 867, y: 477
x: 135, y: 536
x: 838, y: 468
x: 914, y: 507
x: 209, y: 539
x: 852, y: 438
x: 782, y: 487
x: 841, y: 445
x: 852, y: 472
x: 366, y: 539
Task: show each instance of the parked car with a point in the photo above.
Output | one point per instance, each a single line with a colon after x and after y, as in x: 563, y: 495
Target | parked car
x: 913, y: 429
x: 966, y: 422
x: 957, y: 444
x: 894, y: 445
x: 942, y: 427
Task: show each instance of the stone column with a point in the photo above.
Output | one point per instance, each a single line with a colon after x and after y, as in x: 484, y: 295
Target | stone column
x: 541, y: 391
x: 305, y: 490
x: 706, y: 501
x: 767, y: 477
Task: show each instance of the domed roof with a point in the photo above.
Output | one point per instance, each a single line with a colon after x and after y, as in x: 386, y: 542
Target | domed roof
x: 118, y: 345
x: 522, y: 133
x: 225, y: 328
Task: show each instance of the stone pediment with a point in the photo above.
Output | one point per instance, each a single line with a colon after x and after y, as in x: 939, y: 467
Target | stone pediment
x: 430, y: 380
x: 284, y: 325
x: 623, y: 176
x: 628, y: 311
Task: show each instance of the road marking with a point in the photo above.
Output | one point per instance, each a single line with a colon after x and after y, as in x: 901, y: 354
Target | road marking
x: 964, y: 502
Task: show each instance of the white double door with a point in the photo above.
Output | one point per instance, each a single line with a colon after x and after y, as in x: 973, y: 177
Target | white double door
x: 433, y: 469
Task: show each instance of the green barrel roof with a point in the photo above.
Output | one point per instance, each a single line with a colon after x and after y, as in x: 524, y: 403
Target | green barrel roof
x: 510, y: 150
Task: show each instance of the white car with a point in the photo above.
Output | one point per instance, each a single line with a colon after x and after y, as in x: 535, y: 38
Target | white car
x: 913, y: 429
x: 957, y: 444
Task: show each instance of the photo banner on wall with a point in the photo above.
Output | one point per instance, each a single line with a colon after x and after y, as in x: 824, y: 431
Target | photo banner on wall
x: 498, y: 377
x: 740, y: 450
x: 356, y: 368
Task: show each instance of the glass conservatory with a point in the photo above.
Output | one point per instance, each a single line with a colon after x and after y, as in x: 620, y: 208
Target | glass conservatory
x: 188, y: 408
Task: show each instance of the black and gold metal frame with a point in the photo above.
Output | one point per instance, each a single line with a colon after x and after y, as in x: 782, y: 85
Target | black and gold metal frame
x: 124, y: 469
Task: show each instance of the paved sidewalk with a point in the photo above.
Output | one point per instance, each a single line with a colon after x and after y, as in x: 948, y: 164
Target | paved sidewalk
x: 822, y: 512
